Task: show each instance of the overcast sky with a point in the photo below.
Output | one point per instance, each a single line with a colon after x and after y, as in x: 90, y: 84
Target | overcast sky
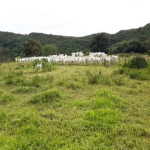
x: 73, y: 17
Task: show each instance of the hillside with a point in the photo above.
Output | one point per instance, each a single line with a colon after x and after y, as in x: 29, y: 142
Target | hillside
x: 130, y: 34
x: 10, y: 43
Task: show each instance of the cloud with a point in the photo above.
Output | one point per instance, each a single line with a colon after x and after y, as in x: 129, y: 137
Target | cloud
x: 72, y: 17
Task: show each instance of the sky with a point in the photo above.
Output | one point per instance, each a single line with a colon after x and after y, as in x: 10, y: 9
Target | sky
x: 76, y: 18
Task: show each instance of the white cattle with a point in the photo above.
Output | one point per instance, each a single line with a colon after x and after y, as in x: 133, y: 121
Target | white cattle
x: 75, y: 58
x: 39, y: 65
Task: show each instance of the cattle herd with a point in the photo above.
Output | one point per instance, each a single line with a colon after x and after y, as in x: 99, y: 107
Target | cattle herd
x: 74, y: 58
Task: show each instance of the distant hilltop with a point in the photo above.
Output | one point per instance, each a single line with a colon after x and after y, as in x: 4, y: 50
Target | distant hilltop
x: 11, y: 43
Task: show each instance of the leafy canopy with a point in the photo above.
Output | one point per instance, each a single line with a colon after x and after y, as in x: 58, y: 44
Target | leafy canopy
x: 100, y: 43
x: 49, y: 49
x: 32, y: 48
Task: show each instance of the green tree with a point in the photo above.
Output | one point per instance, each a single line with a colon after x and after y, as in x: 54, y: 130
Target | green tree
x: 2, y: 54
x: 99, y: 43
x: 49, y: 49
x: 122, y: 47
x: 135, y: 46
x: 148, y: 52
x: 32, y: 48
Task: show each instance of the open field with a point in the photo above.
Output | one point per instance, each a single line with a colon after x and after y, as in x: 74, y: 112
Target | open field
x: 77, y: 107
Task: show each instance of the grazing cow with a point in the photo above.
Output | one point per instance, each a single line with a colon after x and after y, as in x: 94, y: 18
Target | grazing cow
x: 75, y: 58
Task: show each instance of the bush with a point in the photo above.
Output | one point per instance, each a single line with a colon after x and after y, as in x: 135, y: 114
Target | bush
x: 35, y: 62
x: 121, y: 71
x: 138, y: 63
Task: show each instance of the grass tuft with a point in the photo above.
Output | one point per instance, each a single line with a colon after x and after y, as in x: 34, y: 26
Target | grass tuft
x: 45, y: 97
x: 24, y: 90
x: 36, y: 81
x: 3, y: 116
x: 74, y: 85
x: 6, y: 98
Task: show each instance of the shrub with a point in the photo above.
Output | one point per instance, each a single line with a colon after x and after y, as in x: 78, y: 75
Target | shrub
x: 138, y: 62
x: 45, y: 65
x: 35, y: 62
x: 121, y: 71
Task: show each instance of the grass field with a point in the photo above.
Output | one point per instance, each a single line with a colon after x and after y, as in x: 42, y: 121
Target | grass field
x: 84, y: 107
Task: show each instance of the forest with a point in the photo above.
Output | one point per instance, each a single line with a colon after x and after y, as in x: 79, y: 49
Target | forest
x: 124, y: 41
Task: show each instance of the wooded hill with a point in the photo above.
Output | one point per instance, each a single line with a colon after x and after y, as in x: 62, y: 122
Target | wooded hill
x: 11, y: 43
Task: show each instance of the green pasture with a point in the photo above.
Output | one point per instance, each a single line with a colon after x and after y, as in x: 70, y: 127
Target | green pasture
x: 74, y: 107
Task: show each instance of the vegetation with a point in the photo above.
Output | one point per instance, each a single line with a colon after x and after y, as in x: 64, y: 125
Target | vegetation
x: 100, y: 43
x: 148, y: 52
x: 32, y: 48
x: 135, y: 46
x: 133, y: 40
x: 49, y: 50
x: 44, y: 65
x: 47, y: 96
x: 74, y: 107
x: 137, y: 62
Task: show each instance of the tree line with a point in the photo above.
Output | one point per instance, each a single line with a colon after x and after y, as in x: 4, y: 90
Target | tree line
x: 127, y: 41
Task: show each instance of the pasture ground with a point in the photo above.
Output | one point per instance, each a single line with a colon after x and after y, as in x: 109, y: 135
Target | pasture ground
x: 77, y: 107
